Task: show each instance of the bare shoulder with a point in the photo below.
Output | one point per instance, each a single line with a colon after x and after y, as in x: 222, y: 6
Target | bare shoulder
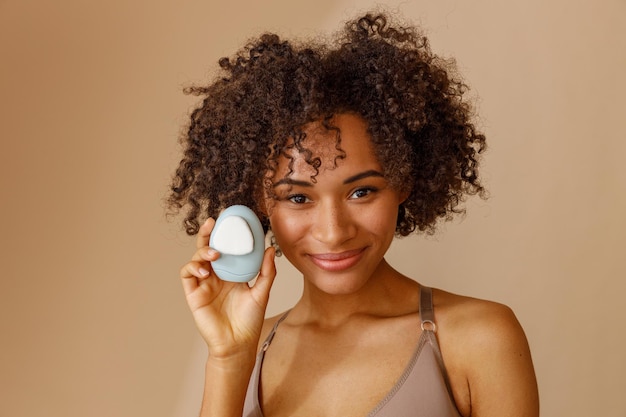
x: 474, y: 318
x: 487, y: 356
x: 474, y: 332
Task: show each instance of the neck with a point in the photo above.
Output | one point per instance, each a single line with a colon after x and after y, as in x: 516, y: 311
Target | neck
x: 387, y: 293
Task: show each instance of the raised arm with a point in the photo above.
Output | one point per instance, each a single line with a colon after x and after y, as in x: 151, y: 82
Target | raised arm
x: 229, y: 317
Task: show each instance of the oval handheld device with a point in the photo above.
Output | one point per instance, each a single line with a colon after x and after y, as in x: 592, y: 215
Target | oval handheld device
x: 238, y: 237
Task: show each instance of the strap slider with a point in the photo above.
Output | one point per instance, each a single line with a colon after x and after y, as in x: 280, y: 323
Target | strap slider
x: 429, y: 325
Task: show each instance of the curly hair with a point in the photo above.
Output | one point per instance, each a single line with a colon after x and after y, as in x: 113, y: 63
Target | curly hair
x: 412, y: 101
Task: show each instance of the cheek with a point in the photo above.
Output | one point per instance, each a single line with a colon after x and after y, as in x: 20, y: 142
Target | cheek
x: 381, y: 225
x: 383, y: 222
x: 286, y: 229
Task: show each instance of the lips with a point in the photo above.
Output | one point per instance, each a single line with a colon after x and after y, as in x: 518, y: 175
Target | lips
x: 336, y: 262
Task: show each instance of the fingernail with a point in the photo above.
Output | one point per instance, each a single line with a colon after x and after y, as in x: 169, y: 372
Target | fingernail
x: 203, y: 272
x: 211, y: 252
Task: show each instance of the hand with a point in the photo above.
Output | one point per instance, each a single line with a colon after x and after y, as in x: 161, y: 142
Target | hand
x: 229, y: 315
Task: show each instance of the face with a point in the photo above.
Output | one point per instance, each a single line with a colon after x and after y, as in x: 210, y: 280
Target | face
x: 335, y: 229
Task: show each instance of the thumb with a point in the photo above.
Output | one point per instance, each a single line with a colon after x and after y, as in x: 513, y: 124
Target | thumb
x: 263, y: 283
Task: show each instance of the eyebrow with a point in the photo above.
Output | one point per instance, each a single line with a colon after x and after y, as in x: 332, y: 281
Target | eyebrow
x: 362, y: 175
x: 349, y: 180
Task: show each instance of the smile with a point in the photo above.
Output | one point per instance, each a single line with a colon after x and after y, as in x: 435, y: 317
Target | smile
x: 336, y: 262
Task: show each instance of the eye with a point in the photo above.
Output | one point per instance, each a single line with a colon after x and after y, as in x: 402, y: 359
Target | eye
x: 362, y: 192
x: 298, y: 199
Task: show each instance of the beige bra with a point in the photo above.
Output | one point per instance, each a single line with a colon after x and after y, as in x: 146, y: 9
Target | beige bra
x: 422, y: 389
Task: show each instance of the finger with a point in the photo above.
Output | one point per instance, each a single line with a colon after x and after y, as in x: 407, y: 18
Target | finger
x: 264, y: 281
x: 204, y: 232
x: 205, y: 254
x: 192, y: 274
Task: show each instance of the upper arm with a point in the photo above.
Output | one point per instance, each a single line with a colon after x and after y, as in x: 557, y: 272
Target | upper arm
x: 500, y: 372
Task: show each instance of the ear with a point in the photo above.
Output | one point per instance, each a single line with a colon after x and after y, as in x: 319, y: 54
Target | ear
x: 403, y: 195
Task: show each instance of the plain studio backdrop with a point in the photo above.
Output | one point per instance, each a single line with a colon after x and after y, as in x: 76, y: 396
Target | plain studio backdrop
x: 92, y: 316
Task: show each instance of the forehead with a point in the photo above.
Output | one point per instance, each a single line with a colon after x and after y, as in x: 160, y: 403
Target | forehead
x: 344, y: 139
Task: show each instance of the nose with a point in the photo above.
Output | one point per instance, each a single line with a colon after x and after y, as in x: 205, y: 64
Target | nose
x: 334, y: 225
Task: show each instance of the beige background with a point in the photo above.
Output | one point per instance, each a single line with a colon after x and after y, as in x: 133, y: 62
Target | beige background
x: 92, y: 319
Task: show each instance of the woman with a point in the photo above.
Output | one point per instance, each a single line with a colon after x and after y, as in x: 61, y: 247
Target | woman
x: 339, y: 147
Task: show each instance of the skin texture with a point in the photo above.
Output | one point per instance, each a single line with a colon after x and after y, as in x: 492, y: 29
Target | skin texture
x: 337, y: 229
x: 357, y: 140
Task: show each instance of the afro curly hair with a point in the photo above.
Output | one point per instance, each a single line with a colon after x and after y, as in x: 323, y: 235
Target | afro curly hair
x: 412, y: 101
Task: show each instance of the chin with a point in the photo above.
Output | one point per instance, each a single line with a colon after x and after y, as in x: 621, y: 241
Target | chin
x: 338, y: 283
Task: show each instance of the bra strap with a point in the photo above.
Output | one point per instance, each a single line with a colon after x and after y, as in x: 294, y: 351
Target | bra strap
x: 427, y: 314
x: 429, y: 328
x: 270, y: 336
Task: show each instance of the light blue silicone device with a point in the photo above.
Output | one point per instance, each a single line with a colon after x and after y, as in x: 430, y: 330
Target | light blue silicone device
x: 238, y: 236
